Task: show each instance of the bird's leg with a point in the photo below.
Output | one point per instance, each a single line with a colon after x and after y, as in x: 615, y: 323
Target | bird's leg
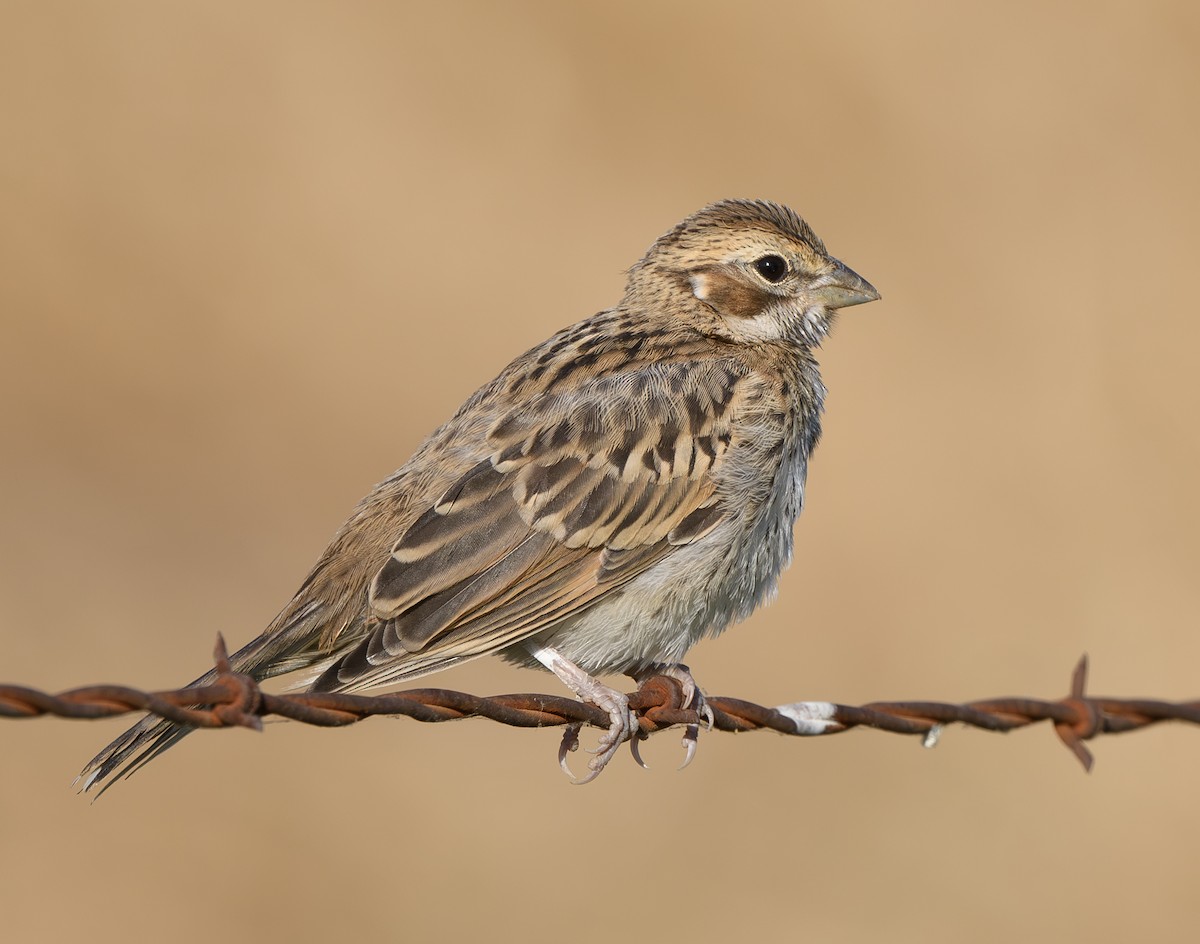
x: 623, y: 722
x: 692, y: 698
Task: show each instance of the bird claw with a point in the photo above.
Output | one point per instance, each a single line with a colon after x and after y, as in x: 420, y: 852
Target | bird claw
x: 569, y: 743
x: 691, y: 737
x: 623, y: 727
x: 623, y: 722
x: 636, y: 751
x: 692, y: 698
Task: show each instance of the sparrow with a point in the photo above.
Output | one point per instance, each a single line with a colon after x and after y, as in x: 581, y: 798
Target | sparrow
x: 619, y: 492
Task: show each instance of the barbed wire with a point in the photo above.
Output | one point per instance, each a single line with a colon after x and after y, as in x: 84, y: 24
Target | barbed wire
x: 236, y: 700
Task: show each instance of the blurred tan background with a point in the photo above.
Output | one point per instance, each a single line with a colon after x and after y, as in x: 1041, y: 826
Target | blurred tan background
x: 251, y: 253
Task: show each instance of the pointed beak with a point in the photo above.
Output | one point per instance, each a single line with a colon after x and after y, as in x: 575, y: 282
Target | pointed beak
x: 842, y: 287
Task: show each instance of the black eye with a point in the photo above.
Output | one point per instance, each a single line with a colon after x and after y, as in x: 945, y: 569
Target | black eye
x: 771, y: 268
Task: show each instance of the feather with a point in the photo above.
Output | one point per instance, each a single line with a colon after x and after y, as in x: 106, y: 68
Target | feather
x: 553, y: 520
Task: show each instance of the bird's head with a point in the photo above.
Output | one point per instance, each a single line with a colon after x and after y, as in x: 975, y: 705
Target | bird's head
x: 751, y: 271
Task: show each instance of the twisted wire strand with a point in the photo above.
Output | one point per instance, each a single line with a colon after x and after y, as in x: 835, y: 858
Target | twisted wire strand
x: 237, y: 700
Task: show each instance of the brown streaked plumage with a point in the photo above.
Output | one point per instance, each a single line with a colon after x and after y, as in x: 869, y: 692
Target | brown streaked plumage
x: 618, y: 492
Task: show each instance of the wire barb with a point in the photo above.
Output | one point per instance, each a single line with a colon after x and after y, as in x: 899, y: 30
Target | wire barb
x: 236, y: 700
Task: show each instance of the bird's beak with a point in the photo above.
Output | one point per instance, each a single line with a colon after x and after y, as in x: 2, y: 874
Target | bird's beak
x: 842, y: 287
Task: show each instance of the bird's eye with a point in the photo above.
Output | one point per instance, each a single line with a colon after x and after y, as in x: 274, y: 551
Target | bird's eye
x: 772, y: 268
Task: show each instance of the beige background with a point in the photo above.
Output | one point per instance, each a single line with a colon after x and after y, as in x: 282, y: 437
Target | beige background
x: 251, y: 253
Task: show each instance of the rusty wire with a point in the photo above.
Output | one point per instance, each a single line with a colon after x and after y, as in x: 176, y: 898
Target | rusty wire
x: 234, y: 699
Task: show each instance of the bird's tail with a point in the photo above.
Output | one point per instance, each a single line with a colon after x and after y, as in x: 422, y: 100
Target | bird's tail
x: 137, y: 746
x: 261, y: 658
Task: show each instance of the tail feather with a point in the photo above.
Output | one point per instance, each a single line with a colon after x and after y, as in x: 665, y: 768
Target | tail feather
x: 137, y: 746
x: 264, y: 657
x: 294, y: 647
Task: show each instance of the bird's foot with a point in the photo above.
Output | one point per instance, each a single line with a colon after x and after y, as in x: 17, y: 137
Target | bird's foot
x: 623, y: 722
x: 693, y: 698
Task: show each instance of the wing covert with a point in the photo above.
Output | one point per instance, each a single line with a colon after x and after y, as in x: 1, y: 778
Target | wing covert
x: 580, y: 492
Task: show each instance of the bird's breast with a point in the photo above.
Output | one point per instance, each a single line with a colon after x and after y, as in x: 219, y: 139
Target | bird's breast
x: 765, y: 493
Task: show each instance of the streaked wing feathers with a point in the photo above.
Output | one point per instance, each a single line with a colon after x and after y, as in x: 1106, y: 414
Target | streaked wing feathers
x: 582, y: 492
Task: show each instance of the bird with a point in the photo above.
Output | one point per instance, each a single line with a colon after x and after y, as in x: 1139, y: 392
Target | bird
x: 617, y: 493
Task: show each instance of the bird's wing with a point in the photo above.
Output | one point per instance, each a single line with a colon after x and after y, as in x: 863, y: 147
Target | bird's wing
x: 581, y: 492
